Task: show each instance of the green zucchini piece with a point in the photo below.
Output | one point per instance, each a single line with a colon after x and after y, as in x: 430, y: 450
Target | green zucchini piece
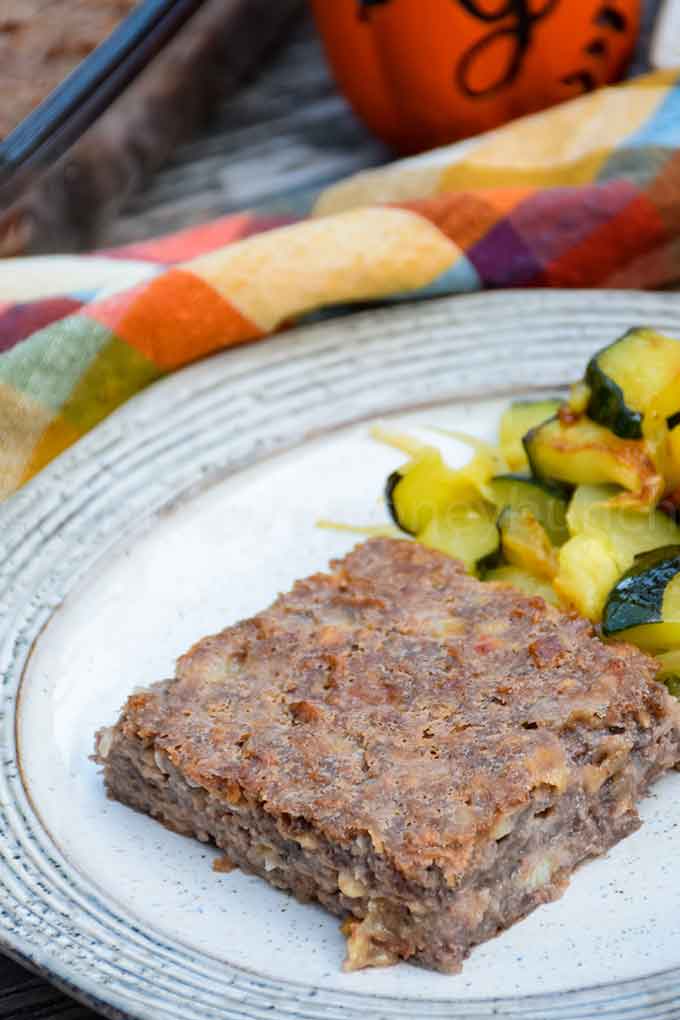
x: 584, y: 453
x: 524, y: 581
x: 660, y: 430
x: 546, y: 501
x: 669, y: 673
x: 516, y: 421
x: 578, y: 399
x: 525, y: 543
x: 673, y: 685
x: 588, y: 570
x: 442, y: 508
x: 644, y: 606
x: 624, y: 378
x: 390, y: 485
x: 466, y: 531
x: 629, y: 533
x: 672, y: 472
x: 422, y: 488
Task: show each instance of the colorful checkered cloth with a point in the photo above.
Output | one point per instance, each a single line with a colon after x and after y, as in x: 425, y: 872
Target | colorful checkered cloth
x: 584, y: 195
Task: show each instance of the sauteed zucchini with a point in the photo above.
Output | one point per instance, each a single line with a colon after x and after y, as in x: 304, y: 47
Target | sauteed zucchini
x: 442, y: 508
x: 523, y: 580
x: 644, y: 605
x: 545, y: 500
x: 669, y: 674
x: 593, y: 511
x: 625, y: 378
x: 588, y: 569
x: 580, y: 501
x: 520, y: 417
x: 584, y: 453
x: 525, y: 543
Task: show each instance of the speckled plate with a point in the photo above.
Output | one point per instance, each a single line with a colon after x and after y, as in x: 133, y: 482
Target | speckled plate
x: 189, y: 508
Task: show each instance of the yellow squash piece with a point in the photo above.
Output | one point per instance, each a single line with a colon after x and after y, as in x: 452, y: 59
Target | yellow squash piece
x: 673, y: 464
x: 584, y: 453
x: 466, y: 531
x: 441, y: 507
x: 593, y: 511
x: 579, y: 398
x: 524, y: 581
x: 670, y: 665
x: 669, y: 674
x: 516, y: 421
x: 525, y: 544
x: 640, y: 366
x: 588, y: 570
x: 424, y: 488
x: 547, y: 503
x: 664, y: 440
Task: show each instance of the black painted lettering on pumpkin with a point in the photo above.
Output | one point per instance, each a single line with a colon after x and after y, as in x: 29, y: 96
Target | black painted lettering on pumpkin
x: 584, y: 79
x: 609, y: 17
x: 365, y: 5
x: 519, y: 24
x: 597, y: 48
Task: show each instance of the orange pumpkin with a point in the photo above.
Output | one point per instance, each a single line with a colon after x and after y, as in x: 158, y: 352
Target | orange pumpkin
x: 426, y: 72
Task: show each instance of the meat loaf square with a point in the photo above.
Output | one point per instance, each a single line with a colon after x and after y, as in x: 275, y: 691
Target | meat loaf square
x: 426, y: 755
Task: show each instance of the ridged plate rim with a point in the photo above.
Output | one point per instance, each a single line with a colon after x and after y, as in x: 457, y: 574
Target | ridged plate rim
x: 167, y: 445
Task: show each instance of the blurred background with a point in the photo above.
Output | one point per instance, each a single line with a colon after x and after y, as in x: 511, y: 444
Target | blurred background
x: 241, y: 109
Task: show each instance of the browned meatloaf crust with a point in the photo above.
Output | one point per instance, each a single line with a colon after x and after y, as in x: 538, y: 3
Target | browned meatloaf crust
x: 428, y: 756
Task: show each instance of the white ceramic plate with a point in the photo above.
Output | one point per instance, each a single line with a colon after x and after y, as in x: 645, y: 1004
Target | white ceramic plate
x: 190, y: 508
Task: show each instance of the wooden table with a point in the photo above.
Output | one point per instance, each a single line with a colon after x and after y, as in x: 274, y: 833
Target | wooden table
x: 287, y: 132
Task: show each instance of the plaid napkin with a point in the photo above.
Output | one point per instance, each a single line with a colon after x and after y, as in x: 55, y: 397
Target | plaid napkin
x: 586, y: 194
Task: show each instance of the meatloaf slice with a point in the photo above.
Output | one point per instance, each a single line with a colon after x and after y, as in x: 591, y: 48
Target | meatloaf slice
x: 428, y: 756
